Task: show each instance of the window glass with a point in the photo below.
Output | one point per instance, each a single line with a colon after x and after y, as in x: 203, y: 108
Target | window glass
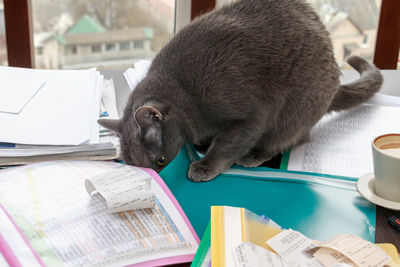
x: 398, y: 62
x: 111, y: 47
x: 75, y: 34
x: 124, y: 46
x: 352, y: 25
x: 3, y: 45
x: 138, y: 44
x: 96, y: 48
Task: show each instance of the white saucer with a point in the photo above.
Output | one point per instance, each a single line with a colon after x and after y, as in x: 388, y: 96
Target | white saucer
x: 366, y: 187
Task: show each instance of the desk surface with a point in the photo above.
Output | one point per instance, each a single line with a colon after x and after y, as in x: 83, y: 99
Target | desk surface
x: 384, y: 233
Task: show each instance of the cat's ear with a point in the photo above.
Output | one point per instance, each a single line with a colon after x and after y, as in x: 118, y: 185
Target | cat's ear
x: 147, y: 116
x: 113, y: 125
x: 149, y: 121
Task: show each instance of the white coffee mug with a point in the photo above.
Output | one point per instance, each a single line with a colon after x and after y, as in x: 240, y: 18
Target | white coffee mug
x: 386, y: 159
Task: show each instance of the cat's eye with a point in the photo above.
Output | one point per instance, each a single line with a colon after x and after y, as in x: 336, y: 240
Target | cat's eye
x: 161, y: 161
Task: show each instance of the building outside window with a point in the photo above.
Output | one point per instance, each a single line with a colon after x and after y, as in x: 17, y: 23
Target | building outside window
x: 71, y: 50
x: 124, y: 46
x: 39, y: 51
x: 352, y: 25
x: 138, y: 44
x: 96, y: 48
x: 111, y: 47
x: 83, y: 33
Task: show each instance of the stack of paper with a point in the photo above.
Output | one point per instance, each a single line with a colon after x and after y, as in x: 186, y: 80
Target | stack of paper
x: 52, y: 114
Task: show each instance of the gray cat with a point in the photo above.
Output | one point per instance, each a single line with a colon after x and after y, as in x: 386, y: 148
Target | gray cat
x: 246, y: 81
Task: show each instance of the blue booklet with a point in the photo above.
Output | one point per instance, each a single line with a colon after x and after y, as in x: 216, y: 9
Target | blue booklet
x: 319, y: 206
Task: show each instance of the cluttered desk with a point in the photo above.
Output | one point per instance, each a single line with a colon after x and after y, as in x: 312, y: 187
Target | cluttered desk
x: 50, y: 215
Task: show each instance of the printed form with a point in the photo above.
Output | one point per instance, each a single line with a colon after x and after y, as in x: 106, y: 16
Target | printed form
x: 67, y: 227
x: 340, y: 144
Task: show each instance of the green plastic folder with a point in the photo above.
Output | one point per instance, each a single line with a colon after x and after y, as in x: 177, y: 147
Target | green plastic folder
x: 319, y: 206
x: 203, y: 254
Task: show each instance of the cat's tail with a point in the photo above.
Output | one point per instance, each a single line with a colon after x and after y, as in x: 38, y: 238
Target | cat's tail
x: 357, y: 92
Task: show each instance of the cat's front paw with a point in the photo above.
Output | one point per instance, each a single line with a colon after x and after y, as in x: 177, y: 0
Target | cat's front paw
x: 199, y: 172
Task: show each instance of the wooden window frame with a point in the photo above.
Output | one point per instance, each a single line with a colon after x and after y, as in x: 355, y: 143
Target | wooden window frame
x: 200, y: 7
x: 388, y: 37
x: 18, y: 24
x: 18, y: 21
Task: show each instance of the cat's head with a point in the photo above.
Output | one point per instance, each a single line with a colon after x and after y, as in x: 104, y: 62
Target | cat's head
x: 149, y: 137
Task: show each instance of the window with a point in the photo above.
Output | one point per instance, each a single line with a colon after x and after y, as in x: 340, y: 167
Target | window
x: 3, y: 45
x: 96, y: 48
x: 111, y: 47
x: 352, y: 26
x: 39, y: 51
x: 71, y: 50
x: 365, y: 42
x: 124, y: 46
x: 129, y: 29
x: 138, y: 44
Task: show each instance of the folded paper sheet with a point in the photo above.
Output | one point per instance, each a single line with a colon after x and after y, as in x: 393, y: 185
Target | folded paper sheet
x: 15, y: 92
x: 124, y: 189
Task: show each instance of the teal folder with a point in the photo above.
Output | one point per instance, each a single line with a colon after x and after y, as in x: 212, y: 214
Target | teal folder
x: 319, y: 206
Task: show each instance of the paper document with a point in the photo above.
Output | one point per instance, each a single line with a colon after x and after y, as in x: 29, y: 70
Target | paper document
x: 124, y: 189
x: 108, y: 101
x: 295, y: 248
x: 18, y: 87
x: 135, y: 75
x: 63, y: 226
x: 355, y: 249
x: 249, y: 255
x: 340, y: 144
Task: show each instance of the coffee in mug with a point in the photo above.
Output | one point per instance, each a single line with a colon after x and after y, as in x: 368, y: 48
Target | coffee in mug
x: 386, y: 159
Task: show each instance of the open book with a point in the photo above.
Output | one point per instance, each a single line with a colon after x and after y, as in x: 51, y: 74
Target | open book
x: 48, y: 219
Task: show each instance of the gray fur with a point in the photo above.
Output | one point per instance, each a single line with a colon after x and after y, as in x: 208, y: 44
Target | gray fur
x: 247, y: 81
